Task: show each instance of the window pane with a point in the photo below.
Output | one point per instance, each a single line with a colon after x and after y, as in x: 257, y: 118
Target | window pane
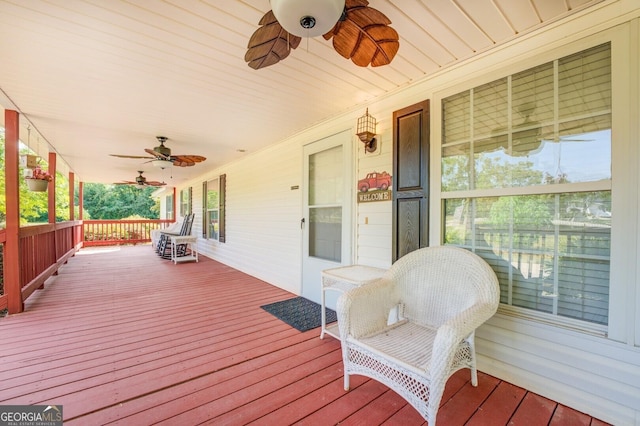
x: 185, y: 202
x: 584, y: 84
x: 213, y: 224
x: 325, y: 233
x: 490, y: 108
x: 494, y: 168
x: 213, y: 207
x: 169, y: 207
x: 213, y: 194
x: 326, y: 185
x: 576, y: 157
x: 532, y: 97
x: 456, y: 118
x: 455, y: 168
x: 551, y: 253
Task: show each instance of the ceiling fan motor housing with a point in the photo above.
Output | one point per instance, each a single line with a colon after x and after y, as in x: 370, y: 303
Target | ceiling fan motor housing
x: 140, y: 179
x: 307, y: 18
x: 161, y: 148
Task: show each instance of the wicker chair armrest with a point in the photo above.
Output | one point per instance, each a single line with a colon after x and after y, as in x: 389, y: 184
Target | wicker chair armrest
x: 457, y: 328
x: 468, y: 320
x: 365, y: 310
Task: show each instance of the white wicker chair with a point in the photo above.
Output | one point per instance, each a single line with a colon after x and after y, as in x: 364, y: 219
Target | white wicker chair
x: 156, y: 233
x: 437, y: 297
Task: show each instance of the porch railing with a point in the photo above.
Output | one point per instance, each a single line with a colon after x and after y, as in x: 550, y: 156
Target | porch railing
x: 114, y: 232
x: 42, y: 250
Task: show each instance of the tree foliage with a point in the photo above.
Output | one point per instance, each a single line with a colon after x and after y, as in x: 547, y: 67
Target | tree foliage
x: 100, y: 201
x: 119, y: 201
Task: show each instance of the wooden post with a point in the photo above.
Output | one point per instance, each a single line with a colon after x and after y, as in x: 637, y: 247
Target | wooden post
x: 72, y: 184
x: 12, y: 286
x: 175, y: 213
x: 80, y: 199
x: 51, y: 208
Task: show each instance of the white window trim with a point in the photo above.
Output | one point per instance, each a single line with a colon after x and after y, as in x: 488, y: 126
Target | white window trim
x: 205, y: 219
x: 624, y: 308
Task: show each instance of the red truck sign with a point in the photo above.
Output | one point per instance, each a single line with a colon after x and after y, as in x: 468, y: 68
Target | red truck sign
x: 375, y: 180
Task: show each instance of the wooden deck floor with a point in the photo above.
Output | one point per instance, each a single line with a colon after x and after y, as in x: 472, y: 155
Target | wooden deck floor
x: 123, y: 337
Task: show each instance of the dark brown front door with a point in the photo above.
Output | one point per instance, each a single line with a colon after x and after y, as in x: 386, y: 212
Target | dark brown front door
x: 411, y: 179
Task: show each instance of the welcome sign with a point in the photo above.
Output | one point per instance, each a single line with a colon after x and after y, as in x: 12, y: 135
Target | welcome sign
x: 375, y: 186
x: 372, y: 196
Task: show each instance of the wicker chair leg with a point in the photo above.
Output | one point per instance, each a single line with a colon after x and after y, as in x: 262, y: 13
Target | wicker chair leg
x: 474, y: 370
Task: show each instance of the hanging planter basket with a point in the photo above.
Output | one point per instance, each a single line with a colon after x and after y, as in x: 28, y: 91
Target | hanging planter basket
x: 37, y: 185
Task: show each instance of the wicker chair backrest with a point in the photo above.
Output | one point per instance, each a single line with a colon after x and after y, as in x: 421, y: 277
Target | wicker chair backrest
x: 434, y: 284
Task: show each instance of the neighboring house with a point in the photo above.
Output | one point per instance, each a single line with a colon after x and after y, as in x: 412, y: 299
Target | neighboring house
x: 506, y: 178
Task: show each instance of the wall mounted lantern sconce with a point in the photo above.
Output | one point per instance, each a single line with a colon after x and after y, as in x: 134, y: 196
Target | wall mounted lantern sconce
x: 367, y: 132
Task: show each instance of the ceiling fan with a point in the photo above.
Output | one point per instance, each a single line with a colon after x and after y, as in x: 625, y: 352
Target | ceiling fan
x: 360, y: 33
x: 161, y: 156
x: 530, y: 136
x: 141, y: 181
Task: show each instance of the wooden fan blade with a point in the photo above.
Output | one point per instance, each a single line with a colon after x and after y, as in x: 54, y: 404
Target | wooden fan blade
x: 156, y: 154
x: 144, y: 157
x: 125, y: 182
x: 270, y: 43
x: 365, y: 36
x: 154, y: 183
x: 186, y: 160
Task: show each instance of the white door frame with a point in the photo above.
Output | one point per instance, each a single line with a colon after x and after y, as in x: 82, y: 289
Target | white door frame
x: 313, y: 266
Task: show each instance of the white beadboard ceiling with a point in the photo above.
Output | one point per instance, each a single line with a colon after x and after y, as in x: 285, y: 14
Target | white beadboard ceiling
x: 100, y: 77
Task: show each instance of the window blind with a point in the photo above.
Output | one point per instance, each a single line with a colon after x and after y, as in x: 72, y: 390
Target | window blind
x: 547, y: 125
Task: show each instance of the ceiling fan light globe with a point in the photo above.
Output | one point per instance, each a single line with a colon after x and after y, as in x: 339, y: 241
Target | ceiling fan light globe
x: 318, y: 15
x: 161, y: 164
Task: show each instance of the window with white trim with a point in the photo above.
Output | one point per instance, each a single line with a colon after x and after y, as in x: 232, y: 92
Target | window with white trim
x: 212, y: 209
x: 168, y: 207
x: 213, y: 202
x: 526, y: 183
x: 185, y: 201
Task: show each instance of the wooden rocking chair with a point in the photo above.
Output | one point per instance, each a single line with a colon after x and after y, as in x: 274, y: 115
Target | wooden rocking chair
x: 164, y: 246
x: 157, y: 233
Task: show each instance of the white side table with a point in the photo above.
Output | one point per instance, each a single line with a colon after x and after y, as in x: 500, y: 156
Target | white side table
x: 191, y: 248
x: 343, y: 279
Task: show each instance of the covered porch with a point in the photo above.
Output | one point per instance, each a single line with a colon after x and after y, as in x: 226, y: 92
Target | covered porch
x: 122, y: 336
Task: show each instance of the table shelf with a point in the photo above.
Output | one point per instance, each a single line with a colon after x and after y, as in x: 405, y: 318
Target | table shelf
x: 191, y: 251
x: 344, y: 279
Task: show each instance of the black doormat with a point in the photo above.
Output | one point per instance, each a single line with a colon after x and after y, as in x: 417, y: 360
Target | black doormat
x: 300, y: 313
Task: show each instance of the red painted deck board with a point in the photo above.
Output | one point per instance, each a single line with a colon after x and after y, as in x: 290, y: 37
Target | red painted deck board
x: 121, y: 336
x: 498, y: 408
